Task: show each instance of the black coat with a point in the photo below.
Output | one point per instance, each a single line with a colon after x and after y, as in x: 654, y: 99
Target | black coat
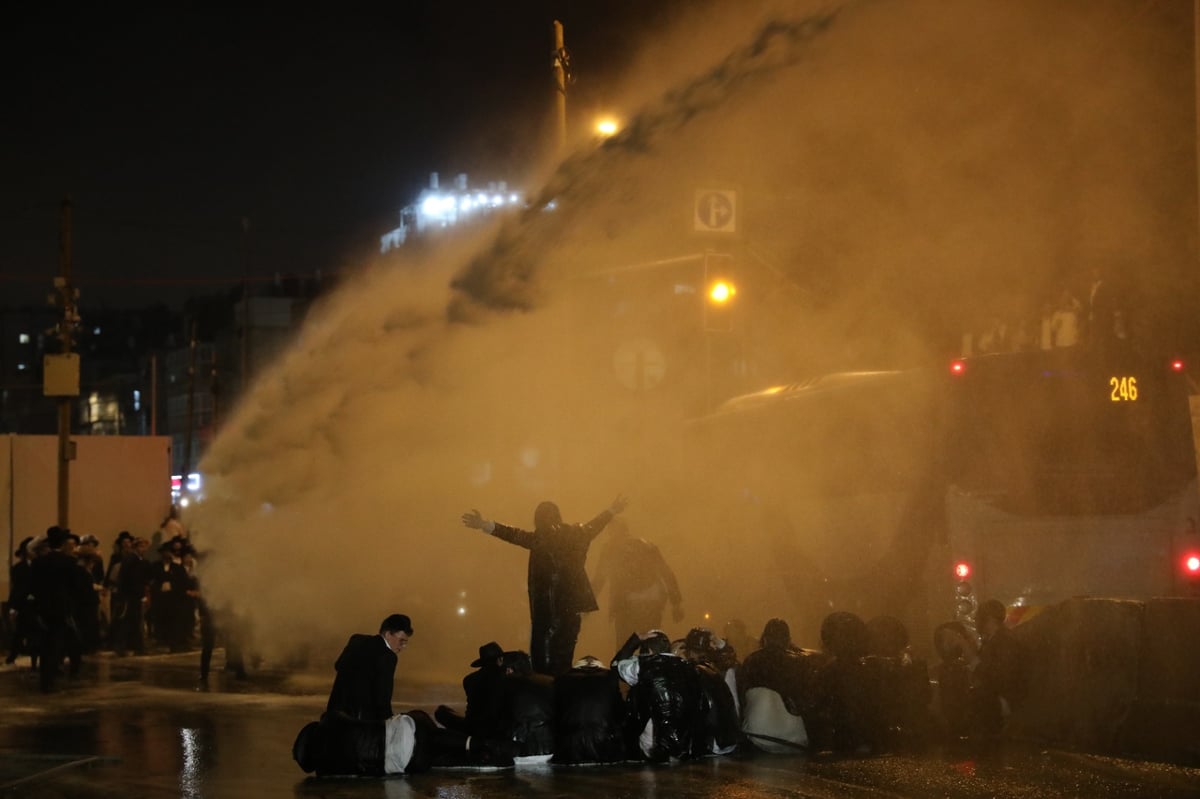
x: 791, y: 673
x: 589, y: 716
x: 558, y: 583
x: 57, y: 584
x: 718, y: 722
x: 483, y: 690
x: 362, y: 688
x: 340, y: 746
x: 528, y: 713
x: 667, y: 692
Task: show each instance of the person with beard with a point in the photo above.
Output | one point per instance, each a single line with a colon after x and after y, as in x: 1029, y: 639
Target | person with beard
x: 559, y: 590
x: 169, y: 602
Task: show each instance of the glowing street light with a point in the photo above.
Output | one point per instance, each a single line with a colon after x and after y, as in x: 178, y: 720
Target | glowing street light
x: 607, y: 126
x: 721, y: 292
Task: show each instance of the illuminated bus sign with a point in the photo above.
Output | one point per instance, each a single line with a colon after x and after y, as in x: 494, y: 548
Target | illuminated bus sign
x: 1123, y: 388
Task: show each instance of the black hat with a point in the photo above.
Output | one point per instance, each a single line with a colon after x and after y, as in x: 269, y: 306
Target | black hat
x: 489, y: 653
x: 56, y: 537
x: 124, y: 535
x: 397, y: 622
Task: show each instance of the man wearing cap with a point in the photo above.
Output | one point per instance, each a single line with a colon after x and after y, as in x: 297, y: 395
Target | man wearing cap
x: 366, y: 670
x: 559, y: 590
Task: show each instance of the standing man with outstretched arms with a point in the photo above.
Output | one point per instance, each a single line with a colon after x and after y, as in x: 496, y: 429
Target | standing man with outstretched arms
x: 559, y: 590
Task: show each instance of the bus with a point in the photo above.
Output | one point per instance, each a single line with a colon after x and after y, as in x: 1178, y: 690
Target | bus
x: 1028, y: 477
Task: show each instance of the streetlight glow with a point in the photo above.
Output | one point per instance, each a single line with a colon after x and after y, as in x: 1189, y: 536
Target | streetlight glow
x: 607, y: 126
x: 721, y: 292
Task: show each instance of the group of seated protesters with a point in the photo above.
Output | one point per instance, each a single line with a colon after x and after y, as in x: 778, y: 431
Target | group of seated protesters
x: 657, y: 700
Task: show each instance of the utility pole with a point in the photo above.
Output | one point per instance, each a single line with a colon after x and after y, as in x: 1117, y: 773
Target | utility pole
x: 245, y: 370
x: 61, y: 371
x: 189, y: 422
x: 562, y: 76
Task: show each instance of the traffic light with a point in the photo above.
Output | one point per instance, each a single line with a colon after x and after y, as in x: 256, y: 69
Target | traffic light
x: 1189, y: 567
x: 720, y: 291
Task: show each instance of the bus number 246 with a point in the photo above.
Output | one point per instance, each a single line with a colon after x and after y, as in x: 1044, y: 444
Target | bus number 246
x: 1124, y: 389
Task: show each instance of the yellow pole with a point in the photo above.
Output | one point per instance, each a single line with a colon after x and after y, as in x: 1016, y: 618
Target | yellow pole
x: 560, y: 84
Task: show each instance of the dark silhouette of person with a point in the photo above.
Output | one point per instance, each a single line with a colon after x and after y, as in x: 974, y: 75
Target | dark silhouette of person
x: 526, y: 707
x: 366, y: 670
x: 665, y: 706
x: 847, y: 699
x: 57, y: 584
x: 482, y: 690
x: 21, y: 610
x: 719, y: 729
x: 171, y: 609
x: 132, y: 582
x: 777, y: 683
x: 901, y: 683
x: 559, y: 590
x: 589, y: 715
x: 997, y: 679
x: 956, y: 647
x: 639, y: 582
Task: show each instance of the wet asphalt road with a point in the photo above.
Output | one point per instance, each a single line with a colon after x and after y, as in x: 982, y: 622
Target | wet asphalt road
x: 140, y: 727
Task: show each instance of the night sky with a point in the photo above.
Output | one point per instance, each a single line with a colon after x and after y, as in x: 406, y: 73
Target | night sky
x: 169, y: 127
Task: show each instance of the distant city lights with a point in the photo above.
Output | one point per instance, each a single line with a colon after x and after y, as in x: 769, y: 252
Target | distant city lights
x: 181, y: 493
x: 437, y: 208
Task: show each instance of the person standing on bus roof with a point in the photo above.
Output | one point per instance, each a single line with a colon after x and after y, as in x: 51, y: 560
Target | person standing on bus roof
x: 559, y: 590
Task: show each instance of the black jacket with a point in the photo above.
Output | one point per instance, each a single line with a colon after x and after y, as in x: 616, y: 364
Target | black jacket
x: 362, y: 689
x: 791, y: 673
x: 718, y: 722
x: 589, y: 716
x: 57, y: 585
x: 667, y: 692
x: 558, y: 583
x: 528, y: 713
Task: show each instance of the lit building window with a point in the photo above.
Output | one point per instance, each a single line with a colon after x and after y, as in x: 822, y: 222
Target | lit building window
x: 23, y: 338
x: 20, y: 367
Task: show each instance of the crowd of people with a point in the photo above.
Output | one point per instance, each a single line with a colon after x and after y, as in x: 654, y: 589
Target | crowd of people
x: 657, y: 699
x: 660, y: 700
x: 65, y: 602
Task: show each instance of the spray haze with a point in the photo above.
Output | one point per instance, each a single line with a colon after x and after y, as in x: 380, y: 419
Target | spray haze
x: 904, y: 169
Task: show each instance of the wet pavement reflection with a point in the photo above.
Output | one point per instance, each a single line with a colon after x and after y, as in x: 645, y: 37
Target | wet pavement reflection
x: 144, y: 727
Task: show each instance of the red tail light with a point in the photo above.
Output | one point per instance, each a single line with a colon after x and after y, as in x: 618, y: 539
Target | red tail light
x: 1177, y: 365
x: 962, y: 570
x: 958, y: 367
